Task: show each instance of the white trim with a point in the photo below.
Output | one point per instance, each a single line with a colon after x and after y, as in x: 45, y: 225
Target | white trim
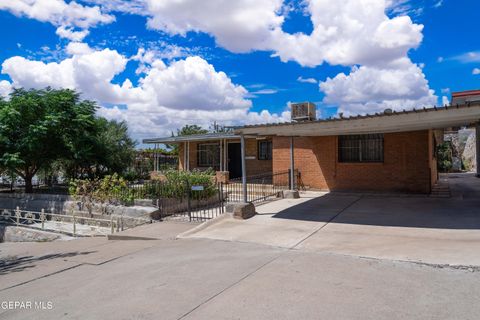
x: 221, y: 155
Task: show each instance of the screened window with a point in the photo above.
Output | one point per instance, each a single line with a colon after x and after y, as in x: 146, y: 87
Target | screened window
x: 360, y: 148
x: 265, y: 150
x: 208, y: 155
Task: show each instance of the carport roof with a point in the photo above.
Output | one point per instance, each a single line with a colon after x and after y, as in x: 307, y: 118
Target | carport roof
x: 395, y: 121
x: 196, y: 137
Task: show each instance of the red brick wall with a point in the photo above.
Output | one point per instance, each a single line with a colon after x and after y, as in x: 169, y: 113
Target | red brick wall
x: 407, y: 167
x: 255, y: 166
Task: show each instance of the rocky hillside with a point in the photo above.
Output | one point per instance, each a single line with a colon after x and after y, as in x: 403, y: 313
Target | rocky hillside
x: 468, y: 155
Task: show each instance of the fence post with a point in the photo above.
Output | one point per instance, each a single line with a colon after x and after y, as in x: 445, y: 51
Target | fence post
x: 112, y: 230
x: 121, y: 221
x: 188, y: 200
x: 220, y: 191
x: 289, y: 178
x: 118, y: 224
x: 42, y: 218
x: 17, y: 214
x: 297, y: 179
x: 74, y: 225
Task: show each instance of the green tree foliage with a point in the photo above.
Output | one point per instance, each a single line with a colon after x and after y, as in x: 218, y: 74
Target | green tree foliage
x: 38, y: 127
x: 45, y: 129
x: 186, y: 130
x: 444, y: 156
x: 107, y: 149
x: 118, y: 147
x: 189, y: 130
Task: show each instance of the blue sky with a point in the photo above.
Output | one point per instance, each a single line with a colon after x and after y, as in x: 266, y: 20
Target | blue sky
x: 297, y: 52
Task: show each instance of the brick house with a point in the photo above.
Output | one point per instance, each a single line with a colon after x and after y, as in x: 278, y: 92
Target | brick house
x: 221, y: 152
x: 391, y: 151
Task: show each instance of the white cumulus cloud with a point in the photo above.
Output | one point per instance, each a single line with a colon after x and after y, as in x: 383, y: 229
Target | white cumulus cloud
x: 186, y: 91
x: 65, y: 16
x: 5, y: 88
x: 239, y: 26
x: 400, y: 85
x: 307, y: 80
x: 345, y: 32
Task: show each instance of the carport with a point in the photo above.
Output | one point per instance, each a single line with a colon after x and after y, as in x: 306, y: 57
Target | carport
x: 389, y: 152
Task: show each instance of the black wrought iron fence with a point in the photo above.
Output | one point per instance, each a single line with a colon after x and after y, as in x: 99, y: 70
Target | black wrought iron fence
x: 260, y: 187
x: 179, y: 198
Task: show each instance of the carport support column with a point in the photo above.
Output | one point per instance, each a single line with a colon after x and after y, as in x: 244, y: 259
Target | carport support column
x: 244, y: 169
x: 188, y: 155
x: 185, y: 156
x: 292, y: 193
x: 155, y: 147
x: 220, y: 144
x: 292, y: 165
x: 244, y: 209
x: 477, y: 149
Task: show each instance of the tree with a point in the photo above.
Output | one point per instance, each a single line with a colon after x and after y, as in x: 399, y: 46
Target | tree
x: 444, y: 156
x: 38, y: 127
x: 118, y: 149
x: 107, y: 149
x: 186, y: 130
x: 217, y: 128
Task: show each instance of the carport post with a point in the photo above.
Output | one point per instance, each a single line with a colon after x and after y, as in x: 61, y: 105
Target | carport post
x: 155, y: 169
x: 292, y: 166
x: 188, y: 155
x: 185, y: 156
x: 477, y: 149
x: 244, y: 168
x: 220, y: 143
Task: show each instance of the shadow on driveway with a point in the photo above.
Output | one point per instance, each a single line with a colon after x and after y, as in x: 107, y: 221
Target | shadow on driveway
x: 395, y: 211
x: 18, y: 264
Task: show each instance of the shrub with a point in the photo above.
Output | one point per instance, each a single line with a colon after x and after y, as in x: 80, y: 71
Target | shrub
x: 180, y: 182
x: 444, y: 156
x: 112, y: 189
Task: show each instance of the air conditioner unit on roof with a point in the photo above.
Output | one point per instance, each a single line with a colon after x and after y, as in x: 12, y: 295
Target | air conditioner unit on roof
x: 304, y: 111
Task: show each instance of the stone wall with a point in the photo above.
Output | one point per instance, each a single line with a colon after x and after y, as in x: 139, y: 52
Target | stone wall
x: 469, y: 156
x: 65, y: 204
x: 33, y: 202
x: 19, y: 234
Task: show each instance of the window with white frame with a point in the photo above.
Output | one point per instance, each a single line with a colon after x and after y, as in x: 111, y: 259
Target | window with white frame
x: 360, y: 148
x: 208, y: 155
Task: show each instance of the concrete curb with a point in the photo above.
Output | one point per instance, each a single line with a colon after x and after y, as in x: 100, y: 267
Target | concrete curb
x: 125, y: 237
x: 203, y: 226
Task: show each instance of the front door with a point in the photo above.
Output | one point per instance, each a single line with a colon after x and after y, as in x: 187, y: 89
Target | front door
x: 234, y: 160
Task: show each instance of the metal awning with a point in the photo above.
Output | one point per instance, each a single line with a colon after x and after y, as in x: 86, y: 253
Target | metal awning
x: 396, y: 121
x: 196, y: 137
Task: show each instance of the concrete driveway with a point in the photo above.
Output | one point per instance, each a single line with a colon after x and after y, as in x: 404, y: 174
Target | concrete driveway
x: 301, y: 277
x: 444, y: 231
x: 211, y: 279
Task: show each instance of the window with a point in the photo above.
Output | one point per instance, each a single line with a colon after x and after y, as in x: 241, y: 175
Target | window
x: 265, y: 150
x: 208, y: 155
x: 360, y: 148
